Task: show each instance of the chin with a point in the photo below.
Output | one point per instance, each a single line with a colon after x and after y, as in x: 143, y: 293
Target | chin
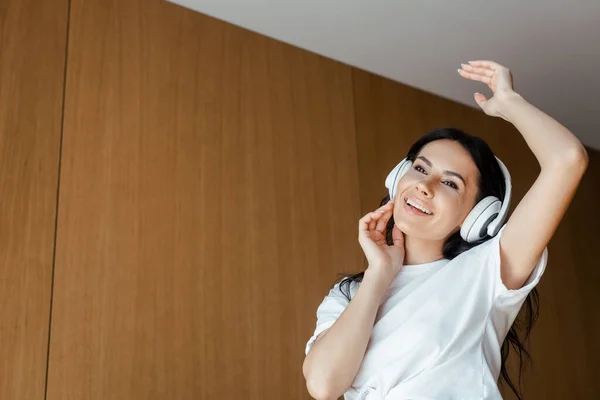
x: 410, y: 228
x: 418, y: 230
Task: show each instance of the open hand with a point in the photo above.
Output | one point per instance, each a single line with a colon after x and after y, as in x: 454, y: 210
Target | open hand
x: 497, y: 77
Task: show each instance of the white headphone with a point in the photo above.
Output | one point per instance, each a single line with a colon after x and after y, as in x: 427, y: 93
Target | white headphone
x: 486, y: 217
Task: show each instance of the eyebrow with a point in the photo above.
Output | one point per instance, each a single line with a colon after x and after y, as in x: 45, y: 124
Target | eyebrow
x: 459, y: 176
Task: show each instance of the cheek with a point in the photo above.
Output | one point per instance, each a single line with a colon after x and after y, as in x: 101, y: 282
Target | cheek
x: 450, y: 205
x: 462, y: 209
x: 403, y: 184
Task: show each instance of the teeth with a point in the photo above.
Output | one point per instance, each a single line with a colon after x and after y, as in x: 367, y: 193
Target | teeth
x: 426, y: 211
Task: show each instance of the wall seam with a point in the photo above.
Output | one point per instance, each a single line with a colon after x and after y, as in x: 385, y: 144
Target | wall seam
x: 62, y: 126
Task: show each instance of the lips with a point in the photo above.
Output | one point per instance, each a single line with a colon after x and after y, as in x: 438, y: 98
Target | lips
x: 414, y: 210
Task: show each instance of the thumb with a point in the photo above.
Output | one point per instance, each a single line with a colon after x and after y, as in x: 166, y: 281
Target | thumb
x: 398, y: 237
x: 480, y: 99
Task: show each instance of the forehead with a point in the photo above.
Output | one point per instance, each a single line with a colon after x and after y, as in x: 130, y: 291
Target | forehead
x: 449, y: 155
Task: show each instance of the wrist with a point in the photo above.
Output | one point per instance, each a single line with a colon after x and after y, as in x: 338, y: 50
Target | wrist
x: 508, y: 102
x: 381, y: 277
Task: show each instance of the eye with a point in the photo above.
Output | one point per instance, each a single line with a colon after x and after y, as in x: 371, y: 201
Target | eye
x: 451, y: 184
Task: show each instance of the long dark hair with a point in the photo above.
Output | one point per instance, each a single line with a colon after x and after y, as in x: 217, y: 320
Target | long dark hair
x: 491, y: 183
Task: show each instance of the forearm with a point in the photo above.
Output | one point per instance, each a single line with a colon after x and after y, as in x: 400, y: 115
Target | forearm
x: 333, y: 361
x: 549, y: 141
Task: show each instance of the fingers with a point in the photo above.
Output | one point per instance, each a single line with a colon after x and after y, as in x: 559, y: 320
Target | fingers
x: 365, y: 222
x: 384, y: 218
x: 376, y: 219
x: 474, y: 76
x: 486, y: 64
x: 481, y: 71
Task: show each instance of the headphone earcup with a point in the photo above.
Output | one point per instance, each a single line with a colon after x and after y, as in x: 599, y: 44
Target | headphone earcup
x: 394, y: 176
x: 475, y: 226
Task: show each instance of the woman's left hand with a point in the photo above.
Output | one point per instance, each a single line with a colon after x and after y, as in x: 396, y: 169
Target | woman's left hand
x: 497, y: 77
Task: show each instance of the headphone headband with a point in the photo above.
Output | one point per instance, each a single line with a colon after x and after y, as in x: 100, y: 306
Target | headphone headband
x: 496, y: 224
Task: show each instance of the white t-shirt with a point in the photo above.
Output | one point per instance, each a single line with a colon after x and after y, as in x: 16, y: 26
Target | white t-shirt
x: 439, y: 329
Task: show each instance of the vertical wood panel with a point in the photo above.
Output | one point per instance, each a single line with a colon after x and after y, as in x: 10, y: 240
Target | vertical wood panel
x: 32, y: 56
x: 390, y: 117
x: 209, y: 187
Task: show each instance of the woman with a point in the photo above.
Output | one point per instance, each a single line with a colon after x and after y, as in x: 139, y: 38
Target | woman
x: 446, y: 277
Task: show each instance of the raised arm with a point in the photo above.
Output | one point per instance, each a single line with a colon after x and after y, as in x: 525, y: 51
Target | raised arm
x: 563, y: 161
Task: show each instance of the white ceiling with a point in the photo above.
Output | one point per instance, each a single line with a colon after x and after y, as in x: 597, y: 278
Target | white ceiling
x: 552, y: 47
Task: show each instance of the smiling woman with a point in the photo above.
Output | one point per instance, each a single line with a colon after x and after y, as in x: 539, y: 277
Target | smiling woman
x: 450, y: 172
x: 432, y: 315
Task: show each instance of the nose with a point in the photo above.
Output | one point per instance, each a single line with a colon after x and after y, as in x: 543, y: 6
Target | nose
x: 423, y: 187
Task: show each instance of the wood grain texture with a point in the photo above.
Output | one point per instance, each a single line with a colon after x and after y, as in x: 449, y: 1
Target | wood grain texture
x: 208, y: 198
x: 32, y: 57
x: 390, y: 117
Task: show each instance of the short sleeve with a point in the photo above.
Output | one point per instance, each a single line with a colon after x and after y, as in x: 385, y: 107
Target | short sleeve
x: 504, y: 297
x: 332, y: 306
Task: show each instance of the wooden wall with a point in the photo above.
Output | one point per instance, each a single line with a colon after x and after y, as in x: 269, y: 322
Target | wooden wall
x: 173, y: 238
x: 32, y: 63
x: 206, y: 175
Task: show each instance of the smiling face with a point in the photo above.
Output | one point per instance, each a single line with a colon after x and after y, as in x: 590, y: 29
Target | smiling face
x: 435, y: 182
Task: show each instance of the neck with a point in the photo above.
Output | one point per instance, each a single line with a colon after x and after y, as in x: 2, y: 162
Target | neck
x: 421, y: 251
